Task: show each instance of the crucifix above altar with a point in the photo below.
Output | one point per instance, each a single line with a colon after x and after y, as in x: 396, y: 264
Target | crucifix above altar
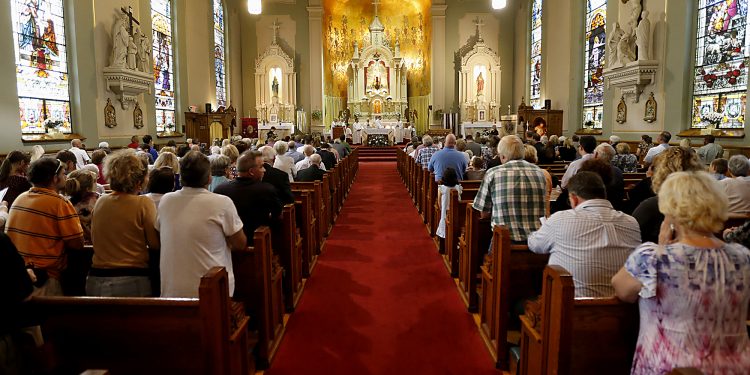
x: 377, y: 77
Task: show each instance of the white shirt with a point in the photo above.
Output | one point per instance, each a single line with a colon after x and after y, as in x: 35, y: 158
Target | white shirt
x: 305, y: 163
x: 591, y: 241
x: 573, y: 169
x: 155, y: 197
x: 193, y: 225
x: 738, y: 193
x: 286, y: 164
x: 82, y: 157
x: 653, y: 151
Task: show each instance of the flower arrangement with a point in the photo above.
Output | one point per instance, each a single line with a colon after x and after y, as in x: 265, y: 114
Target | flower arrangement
x: 378, y: 140
x: 52, y: 124
x: 317, y: 115
x: 713, y: 118
x: 588, y: 124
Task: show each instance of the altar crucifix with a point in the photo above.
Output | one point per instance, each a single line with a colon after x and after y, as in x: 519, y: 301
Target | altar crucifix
x: 276, y: 26
x: 131, y: 18
x: 479, y: 23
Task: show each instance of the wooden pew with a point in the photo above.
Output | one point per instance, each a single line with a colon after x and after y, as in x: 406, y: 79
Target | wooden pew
x: 432, y: 221
x: 307, y: 225
x: 318, y: 209
x: 455, y: 220
x: 325, y: 189
x: 511, y: 274
x: 425, y: 194
x: 258, y: 286
x: 147, y: 335
x: 473, y: 242
x: 577, y: 335
x: 287, y: 244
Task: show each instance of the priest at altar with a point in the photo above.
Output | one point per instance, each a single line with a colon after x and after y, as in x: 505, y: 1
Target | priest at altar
x: 357, y: 132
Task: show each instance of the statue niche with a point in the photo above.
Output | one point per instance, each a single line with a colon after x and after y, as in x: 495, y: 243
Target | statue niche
x: 275, y: 84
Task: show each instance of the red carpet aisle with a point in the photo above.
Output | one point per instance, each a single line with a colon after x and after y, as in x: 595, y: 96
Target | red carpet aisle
x: 380, y: 300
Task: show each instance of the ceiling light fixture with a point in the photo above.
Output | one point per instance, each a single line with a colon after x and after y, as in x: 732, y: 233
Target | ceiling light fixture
x: 254, y: 6
x: 499, y: 4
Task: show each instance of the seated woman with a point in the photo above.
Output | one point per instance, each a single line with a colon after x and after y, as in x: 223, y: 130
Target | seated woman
x: 122, y: 231
x: 80, y: 189
x: 168, y: 159
x: 160, y: 182
x: 624, y: 160
x: 530, y: 156
x: 284, y: 162
x: 220, y: 170
x: 691, y: 287
x: 13, y: 175
x: 567, y: 151
x: 476, y: 169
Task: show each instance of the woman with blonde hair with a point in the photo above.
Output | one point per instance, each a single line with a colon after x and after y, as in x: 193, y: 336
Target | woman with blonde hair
x: 168, y: 159
x: 80, y: 189
x: 674, y: 159
x: 233, y: 154
x: 122, y: 231
x: 691, y: 287
x: 567, y: 151
x: 284, y: 162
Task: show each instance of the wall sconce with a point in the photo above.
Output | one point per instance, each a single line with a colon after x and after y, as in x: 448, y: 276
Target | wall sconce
x: 499, y: 4
x: 254, y: 6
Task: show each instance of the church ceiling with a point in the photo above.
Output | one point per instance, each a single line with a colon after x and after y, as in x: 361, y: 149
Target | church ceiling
x: 348, y: 21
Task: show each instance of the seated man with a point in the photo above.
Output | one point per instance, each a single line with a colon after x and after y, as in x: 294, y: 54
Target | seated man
x: 256, y: 201
x: 514, y: 193
x: 586, y: 148
x: 276, y: 177
x: 313, y: 173
x: 425, y: 153
x: 327, y: 156
x: 43, y: 224
x: 307, y: 150
x: 737, y: 187
x: 82, y: 157
x: 448, y: 157
x: 197, y: 230
x: 592, y: 240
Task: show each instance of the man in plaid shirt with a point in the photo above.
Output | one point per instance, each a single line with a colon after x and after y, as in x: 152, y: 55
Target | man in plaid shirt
x: 425, y: 154
x: 513, y: 192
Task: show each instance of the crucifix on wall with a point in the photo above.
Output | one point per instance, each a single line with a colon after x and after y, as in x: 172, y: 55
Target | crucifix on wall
x: 131, y: 19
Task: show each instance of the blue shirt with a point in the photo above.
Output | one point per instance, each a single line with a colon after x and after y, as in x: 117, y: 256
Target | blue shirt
x: 448, y: 158
x: 154, y: 154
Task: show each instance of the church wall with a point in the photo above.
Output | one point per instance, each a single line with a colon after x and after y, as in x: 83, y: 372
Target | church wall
x: 499, y: 34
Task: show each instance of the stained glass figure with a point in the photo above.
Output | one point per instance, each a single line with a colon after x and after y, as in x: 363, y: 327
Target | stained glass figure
x: 163, y: 54
x: 721, y: 58
x: 220, y: 54
x: 41, y: 65
x: 594, y: 62
x: 536, y: 54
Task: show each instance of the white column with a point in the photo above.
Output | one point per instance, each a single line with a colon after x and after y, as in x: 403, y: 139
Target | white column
x: 315, y: 12
x: 437, y: 73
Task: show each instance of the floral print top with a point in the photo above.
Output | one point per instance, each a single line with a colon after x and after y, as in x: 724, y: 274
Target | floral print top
x: 693, y: 308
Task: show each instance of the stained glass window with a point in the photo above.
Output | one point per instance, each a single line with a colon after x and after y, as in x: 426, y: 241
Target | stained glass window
x: 219, y: 54
x: 721, y: 56
x: 41, y: 65
x: 536, y: 53
x: 594, y: 45
x: 161, y: 23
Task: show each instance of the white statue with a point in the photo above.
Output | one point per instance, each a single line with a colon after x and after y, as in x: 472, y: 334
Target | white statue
x: 625, y: 48
x: 144, y: 53
x: 132, y: 52
x: 635, y: 12
x: 120, y: 39
x: 643, y: 36
x: 613, y: 40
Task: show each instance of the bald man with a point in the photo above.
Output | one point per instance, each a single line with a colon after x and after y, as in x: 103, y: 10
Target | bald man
x: 82, y: 157
x: 257, y: 202
x: 448, y: 157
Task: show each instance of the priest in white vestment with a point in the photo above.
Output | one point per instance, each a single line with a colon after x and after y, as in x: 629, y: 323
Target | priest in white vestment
x: 357, y: 134
x: 398, y: 133
x: 348, y: 132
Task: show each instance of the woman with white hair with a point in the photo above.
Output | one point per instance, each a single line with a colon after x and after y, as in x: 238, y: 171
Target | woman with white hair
x: 691, y: 287
x: 284, y: 162
x: 737, y: 188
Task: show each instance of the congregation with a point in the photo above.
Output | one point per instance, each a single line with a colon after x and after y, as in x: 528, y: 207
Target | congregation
x: 662, y: 226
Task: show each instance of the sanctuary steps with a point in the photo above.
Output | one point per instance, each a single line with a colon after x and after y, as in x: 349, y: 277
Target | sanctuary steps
x: 377, y: 154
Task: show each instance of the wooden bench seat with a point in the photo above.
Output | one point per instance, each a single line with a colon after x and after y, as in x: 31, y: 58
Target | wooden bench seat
x: 455, y: 220
x: 473, y: 242
x: 318, y: 207
x: 287, y: 244
x: 147, y: 335
x: 577, y: 335
x: 511, y: 274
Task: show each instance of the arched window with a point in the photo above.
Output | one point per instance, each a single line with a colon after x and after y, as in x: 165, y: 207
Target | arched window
x: 594, y: 47
x: 536, y: 54
x: 163, y: 54
x: 41, y: 65
x: 220, y: 53
x: 721, y: 56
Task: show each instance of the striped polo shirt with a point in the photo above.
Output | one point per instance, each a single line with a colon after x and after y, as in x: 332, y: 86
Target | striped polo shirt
x: 38, y: 222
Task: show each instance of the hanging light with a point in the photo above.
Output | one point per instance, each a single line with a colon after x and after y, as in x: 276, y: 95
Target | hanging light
x: 499, y: 4
x: 254, y: 6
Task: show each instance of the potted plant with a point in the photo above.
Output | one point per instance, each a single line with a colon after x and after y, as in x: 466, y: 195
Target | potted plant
x: 53, y: 128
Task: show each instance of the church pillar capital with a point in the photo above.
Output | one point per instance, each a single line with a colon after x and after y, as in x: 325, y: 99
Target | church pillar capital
x: 438, y: 10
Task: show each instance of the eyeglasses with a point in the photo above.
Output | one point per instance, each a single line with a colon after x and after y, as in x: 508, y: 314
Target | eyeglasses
x: 59, y: 166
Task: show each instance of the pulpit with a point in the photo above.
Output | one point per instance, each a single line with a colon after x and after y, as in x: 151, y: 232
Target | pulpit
x: 209, y: 126
x: 543, y: 121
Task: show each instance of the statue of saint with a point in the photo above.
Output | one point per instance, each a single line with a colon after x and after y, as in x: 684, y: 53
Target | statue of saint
x: 275, y: 87
x: 612, y: 41
x: 643, y: 36
x: 120, y: 40
x: 132, y: 52
x: 480, y: 84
